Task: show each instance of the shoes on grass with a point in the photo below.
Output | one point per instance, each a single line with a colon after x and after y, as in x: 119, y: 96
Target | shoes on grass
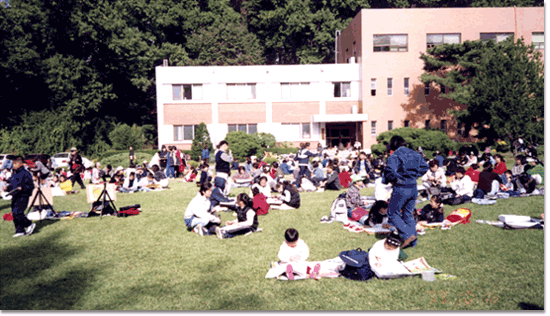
x: 326, y: 220
x: 18, y: 234
x: 30, y: 229
x: 219, y: 233
x: 199, y: 230
x: 356, y: 229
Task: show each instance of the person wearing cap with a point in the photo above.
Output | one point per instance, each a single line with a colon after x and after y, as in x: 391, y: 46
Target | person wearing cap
x: 22, y: 186
x: 385, y: 253
x: 535, y: 168
x: 403, y: 168
x: 353, y: 196
x: 75, y: 163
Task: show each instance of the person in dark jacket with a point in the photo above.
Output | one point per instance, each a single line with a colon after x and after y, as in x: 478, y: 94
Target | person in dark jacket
x: 302, y: 157
x: 289, y: 196
x: 403, y: 168
x: 21, y: 183
x: 332, y: 181
x: 218, y: 197
x: 246, y: 222
x: 77, y: 167
x: 205, y: 154
x: 223, y: 162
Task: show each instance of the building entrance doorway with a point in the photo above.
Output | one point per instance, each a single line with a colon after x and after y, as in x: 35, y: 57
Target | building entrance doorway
x: 343, y: 133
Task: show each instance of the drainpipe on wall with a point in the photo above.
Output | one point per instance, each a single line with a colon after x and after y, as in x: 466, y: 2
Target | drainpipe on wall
x: 516, y: 23
x: 336, y: 38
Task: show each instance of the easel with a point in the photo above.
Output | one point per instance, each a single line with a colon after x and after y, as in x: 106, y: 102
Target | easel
x: 42, y: 201
x: 104, y: 195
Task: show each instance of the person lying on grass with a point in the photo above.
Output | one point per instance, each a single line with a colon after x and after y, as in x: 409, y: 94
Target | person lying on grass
x: 197, y: 215
x: 246, y: 222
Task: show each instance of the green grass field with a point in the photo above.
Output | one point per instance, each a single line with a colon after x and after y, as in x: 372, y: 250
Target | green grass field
x: 151, y: 261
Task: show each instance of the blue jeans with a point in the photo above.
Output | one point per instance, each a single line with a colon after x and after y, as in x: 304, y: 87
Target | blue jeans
x: 403, y: 199
x: 170, y: 172
x: 194, y: 221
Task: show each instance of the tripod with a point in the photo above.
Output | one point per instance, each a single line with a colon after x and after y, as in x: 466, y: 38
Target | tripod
x: 42, y: 201
x: 105, y: 197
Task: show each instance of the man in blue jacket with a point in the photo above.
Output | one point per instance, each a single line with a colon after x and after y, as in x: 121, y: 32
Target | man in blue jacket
x: 21, y: 183
x: 403, y: 168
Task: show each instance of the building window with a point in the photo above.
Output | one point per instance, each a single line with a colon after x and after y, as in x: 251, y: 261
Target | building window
x: 390, y: 86
x: 406, y: 86
x: 306, y: 130
x: 427, y: 88
x: 373, y: 128
x: 294, y: 90
x: 186, y: 92
x: 538, y: 40
x: 247, y: 128
x: 373, y: 87
x: 444, y: 126
x: 184, y: 132
x: 390, y: 125
x: 390, y: 43
x: 342, y: 89
x: 292, y: 131
x: 498, y: 37
x: 427, y: 123
x: 443, y: 89
x: 433, y: 40
x: 178, y: 132
x: 239, y: 91
x: 406, y: 123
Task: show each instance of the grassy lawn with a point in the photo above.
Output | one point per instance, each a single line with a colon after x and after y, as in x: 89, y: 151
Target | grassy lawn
x: 151, y: 261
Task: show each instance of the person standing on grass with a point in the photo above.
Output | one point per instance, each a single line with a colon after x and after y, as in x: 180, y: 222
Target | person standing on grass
x: 224, y: 158
x: 403, y: 168
x: 75, y: 163
x: 205, y: 155
x: 21, y: 182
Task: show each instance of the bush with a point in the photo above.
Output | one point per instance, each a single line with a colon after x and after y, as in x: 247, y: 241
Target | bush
x: 242, y: 144
x: 429, y: 140
x: 113, y: 152
x: 266, y: 140
x: 270, y: 160
x: 283, y: 151
x: 193, y: 163
x: 202, y: 137
x: 122, y: 159
x: 123, y: 136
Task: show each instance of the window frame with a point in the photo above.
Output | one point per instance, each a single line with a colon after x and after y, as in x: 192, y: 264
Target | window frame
x: 341, y: 89
x: 238, y: 93
x: 381, y: 48
x: 406, y: 83
x: 496, y: 34
x: 237, y: 127
x: 373, y: 128
x: 538, y: 45
x: 373, y: 87
x: 390, y: 125
x: 191, y: 87
x: 406, y: 123
x: 431, y: 45
x: 389, y: 83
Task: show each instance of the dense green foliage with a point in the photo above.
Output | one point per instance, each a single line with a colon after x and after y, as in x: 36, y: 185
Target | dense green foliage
x: 266, y: 140
x: 123, y: 136
x: 430, y: 140
x: 74, y: 69
x: 202, y: 138
x: 242, y: 145
x: 502, y: 85
x: 123, y: 160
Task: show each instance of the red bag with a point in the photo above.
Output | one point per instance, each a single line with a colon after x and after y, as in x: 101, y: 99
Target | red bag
x: 8, y: 217
x: 128, y: 212
x: 461, y: 215
x: 358, y: 213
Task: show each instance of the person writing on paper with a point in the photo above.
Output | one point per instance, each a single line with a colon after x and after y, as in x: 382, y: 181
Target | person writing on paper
x: 378, y: 216
x: 246, y: 222
x: 430, y: 213
x: 384, y: 254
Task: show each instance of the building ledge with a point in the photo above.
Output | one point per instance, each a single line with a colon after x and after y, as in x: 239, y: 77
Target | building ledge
x: 339, y: 118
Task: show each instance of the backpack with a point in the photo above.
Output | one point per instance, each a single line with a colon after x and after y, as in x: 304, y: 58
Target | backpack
x: 357, y: 265
x: 339, y: 209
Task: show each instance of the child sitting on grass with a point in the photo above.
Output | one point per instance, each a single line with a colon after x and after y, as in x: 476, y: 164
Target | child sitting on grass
x: 378, y: 215
x: 66, y: 185
x: 430, y: 213
x: 295, y: 250
x: 247, y: 219
x: 385, y: 253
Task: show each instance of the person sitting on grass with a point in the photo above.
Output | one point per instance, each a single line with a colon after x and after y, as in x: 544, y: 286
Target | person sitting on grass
x: 509, y: 186
x: 517, y: 169
x: 160, y: 177
x: 286, y: 167
x: 130, y: 184
x: 218, y: 197
x: 489, y: 181
x: 66, y: 185
x: 191, y: 175
x: 430, y: 213
x: 293, y: 248
x: 148, y: 183
x: 473, y: 172
x: 306, y: 185
x: 500, y: 166
x: 385, y: 253
x: 289, y: 196
x: 263, y: 187
x: 332, y: 181
x: 197, y: 215
x: 241, y: 178
x: 204, y: 175
x: 259, y: 202
x: 462, y: 186
x: 535, y: 168
x: 353, y: 195
x: 345, y: 177
x: 434, y: 178
x: 246, y: 222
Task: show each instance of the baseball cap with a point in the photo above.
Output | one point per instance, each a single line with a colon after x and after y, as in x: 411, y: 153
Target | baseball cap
x: 73, y: 149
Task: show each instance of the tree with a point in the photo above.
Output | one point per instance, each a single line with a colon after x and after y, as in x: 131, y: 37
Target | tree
x: 430, y: 140
x: 502, y: 85
x: 266, y: 140
x: 202, y: 138
x: 123, y: 136
x: 242, y: 145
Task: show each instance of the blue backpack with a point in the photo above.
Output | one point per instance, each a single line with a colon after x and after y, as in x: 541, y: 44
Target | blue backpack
x: 357, y: 265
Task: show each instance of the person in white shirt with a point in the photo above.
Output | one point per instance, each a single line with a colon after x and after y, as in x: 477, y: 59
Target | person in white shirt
x: 472, y: 160
x: 384, y: 254
x: 462, y: 186
x: 435, y: 177
x: 130, y: 184
x: 293, y: 248
x: 197, y: 215
x: 263, y: 187
x: 96, y: 174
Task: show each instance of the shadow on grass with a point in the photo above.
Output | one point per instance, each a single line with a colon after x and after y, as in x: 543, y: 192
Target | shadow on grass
x: 33, y: 277
x: 527, y: 306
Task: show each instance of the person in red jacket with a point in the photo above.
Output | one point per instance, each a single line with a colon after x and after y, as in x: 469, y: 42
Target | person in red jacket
x: 345, y: 178
x: 473, y: 172
x: 500, y: 165
x: 259, y: 203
